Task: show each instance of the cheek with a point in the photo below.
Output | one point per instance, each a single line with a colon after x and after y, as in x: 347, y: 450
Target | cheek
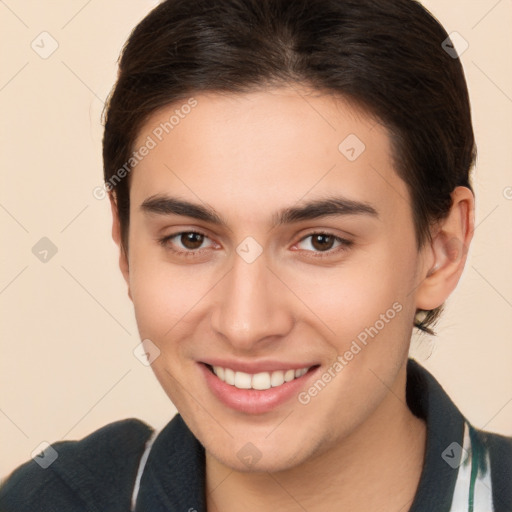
x: 167, y: 301
x: 356, y: 293
x: 365, y: 308
x: 163, y: 294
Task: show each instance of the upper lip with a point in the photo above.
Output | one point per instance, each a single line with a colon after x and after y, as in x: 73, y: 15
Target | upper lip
x: 256, y: 366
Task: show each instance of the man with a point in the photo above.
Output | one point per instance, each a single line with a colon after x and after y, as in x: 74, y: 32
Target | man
x: 290, y: 195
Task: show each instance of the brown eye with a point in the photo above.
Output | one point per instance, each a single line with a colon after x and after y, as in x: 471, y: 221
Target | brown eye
x: 186, y: 242
x: 322, y: 242
x: 192, y: 240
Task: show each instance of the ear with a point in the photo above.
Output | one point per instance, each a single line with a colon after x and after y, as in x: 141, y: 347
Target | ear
x: 445, y: 256
x: 116, y: 236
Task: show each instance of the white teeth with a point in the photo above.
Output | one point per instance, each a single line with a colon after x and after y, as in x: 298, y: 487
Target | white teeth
x: 229, y: 376
x: 242, y: 380
x: 289, y: 375
x: 277, y: 378
x: 219, y: 371
x: 260, y: 381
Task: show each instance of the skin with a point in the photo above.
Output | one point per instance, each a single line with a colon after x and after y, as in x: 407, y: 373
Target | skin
x: 356, y: 445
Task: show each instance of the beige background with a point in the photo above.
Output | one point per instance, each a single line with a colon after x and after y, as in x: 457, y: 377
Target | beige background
x: 68, y: 328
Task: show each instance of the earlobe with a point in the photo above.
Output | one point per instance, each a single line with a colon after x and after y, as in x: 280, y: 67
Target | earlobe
x: 116, y: 236
x: 447, y: 252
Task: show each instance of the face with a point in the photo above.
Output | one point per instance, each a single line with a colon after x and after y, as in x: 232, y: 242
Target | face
x: 269, y: 233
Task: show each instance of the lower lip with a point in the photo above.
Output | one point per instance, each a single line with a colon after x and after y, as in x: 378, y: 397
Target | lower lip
x: 254, y: 401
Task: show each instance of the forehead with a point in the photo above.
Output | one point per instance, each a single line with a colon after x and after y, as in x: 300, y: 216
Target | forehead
x: 248, y: 152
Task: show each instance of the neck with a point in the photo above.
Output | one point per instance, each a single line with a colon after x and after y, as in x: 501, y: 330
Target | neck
x: 378, y: 467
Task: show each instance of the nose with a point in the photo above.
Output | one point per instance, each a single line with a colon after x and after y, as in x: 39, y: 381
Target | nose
x: 252, y: 306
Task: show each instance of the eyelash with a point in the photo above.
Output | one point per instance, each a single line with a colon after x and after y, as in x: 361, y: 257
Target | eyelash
x: 344, y: 244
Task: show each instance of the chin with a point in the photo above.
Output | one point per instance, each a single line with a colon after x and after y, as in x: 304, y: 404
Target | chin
x: 259, y: 453
x: 249, y: 459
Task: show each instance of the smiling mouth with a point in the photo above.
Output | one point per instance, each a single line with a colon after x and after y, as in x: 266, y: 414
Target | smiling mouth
x: 259, y: 381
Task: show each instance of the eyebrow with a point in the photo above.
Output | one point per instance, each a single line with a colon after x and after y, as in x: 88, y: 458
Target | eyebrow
x: 330, y: 206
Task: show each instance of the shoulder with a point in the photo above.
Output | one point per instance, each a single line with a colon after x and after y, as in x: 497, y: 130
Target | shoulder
x: 499, y: 451
x: 80, y: 475
x: 484, y: 472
